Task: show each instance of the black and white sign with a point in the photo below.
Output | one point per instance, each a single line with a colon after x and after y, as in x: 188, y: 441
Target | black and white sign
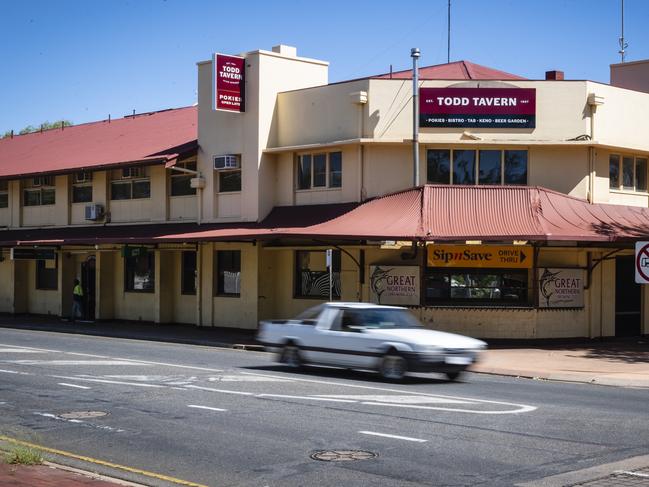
x: 642, y: 262
x: 561, y: 288
x: 398, y: 285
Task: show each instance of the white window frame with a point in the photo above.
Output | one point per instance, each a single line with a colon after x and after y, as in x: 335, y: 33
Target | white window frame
x: 4, y: 192
x: 114, y: 179
x: 620, y: 168
x: 30, y: 187
x: 85, y: 184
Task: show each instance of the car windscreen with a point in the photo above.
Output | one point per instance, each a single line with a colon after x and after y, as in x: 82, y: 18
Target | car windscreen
x: 382, y: 318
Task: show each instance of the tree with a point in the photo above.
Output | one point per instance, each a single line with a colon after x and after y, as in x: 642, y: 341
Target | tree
x: 43, y: 126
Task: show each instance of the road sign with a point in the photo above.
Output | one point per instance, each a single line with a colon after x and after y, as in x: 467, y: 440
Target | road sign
x: 642, y: 262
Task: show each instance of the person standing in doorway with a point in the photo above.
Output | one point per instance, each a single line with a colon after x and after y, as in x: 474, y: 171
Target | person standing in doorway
x: 77, y: 301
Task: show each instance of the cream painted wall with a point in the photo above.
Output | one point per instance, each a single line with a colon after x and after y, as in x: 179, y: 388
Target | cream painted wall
x: 49, y: 215
x: 544, y: 164
x: 183, y: 208
x: 617, y: 121
x: 388, y: 169
x: 46, y: 302
x: 7, y: 288
x: 5, y: 217
x: 136, y: 306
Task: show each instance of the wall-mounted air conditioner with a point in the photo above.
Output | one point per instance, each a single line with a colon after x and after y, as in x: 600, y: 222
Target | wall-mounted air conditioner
x: 132, y: 172
x: 82, y: 177
x: 94, y: 212
x: 228, y: 161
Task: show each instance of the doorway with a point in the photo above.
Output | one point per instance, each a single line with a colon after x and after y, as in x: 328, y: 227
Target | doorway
x: 88, y: 285
x: 627, y: 298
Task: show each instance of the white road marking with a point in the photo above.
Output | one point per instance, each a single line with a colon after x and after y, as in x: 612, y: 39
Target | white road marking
x: 399, y: 399
x: 396, y: 437
x: 73, y: 385
x: 29, y: 348
x: 519, y: 408
x: 633, y: 474
x: 245, y: 378
x: 18, y: 350
x: 69, y: 362
x: 224, y: 391
x: 78, y: 421
x: 14, y: 372
x: 205, y: 407
x: 312, y: 398
x: 104, y: 381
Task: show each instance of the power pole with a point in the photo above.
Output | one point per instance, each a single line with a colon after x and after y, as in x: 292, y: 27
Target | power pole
x: 448, y: 43
x: 623, y: 44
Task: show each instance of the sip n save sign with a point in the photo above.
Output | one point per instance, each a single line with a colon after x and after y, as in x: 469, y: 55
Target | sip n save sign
x: 642, y: 262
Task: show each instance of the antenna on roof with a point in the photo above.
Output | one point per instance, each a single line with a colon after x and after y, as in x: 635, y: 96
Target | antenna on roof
x: 623, y: 44
x: 390, y: 71
x: 448, y: 51
x: 109, y: 118
x: 12, y: 133
x: 134, y: 113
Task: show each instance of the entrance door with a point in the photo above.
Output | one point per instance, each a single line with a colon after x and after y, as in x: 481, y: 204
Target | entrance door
x: 88, y: 286
x: 627, y: 298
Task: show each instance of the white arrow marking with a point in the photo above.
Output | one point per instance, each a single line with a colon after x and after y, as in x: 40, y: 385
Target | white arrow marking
x: 205, y: 407
x: 396, y: 437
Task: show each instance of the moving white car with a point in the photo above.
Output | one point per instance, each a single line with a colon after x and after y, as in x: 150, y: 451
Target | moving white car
x: 388, y: 339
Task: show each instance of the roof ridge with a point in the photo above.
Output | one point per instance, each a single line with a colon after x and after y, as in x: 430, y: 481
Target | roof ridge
x: 105, y: 120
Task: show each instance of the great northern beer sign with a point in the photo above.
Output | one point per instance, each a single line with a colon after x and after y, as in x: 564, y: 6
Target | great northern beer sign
x: 483, y: 256
x: 228, y: 83
x: 477, y: 107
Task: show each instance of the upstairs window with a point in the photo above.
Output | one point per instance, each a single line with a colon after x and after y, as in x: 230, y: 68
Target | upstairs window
x: 82, y: 187
x: 181, y: 181
x: 131, y: 182
x: 4, y: 194
x: 470, y: 167
x: 628, y: 173
x: 39, y: 191
x: 321, y: 170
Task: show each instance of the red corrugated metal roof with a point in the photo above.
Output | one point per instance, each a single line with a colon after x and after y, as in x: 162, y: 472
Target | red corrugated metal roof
x: 460, y: 70
x: 150, y: 137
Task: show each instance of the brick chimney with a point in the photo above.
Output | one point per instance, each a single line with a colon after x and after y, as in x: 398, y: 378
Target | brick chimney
x: 554, y: 75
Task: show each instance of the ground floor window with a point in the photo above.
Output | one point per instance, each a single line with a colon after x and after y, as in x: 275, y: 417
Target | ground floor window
x: 47, y: 275
x: 312, y: 275
x: 188, y: 272
x: 139, y: 272
x: 227, y: 273
x: 476, y: 287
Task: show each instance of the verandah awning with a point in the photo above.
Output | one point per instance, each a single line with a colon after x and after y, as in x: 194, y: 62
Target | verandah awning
x: 427, y: 213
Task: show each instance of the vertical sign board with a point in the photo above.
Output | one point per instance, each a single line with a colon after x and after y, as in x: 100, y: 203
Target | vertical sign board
x: 398, y: 285
x: 642, y: 262
x: 561, y: 288
x: 228, y: 83
x: 477, y: 107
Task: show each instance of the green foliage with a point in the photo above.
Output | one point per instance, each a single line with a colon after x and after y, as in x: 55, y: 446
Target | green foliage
x: 22, y: 455
x: 45, y: 126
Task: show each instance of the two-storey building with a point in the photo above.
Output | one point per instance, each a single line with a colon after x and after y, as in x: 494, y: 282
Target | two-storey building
x: 510, y: 231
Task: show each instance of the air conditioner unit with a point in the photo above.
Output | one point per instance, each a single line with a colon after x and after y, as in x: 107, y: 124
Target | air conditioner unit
x: 94, y: 212
x: 132, y: 172
x: 42, y: 181
x: 82, y: 177
x: 228, y: 161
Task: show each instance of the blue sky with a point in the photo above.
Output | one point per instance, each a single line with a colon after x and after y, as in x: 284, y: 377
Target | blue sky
x: 83, y: 60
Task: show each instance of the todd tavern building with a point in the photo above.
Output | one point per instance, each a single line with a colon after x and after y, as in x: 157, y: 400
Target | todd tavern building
x: 520, y: 221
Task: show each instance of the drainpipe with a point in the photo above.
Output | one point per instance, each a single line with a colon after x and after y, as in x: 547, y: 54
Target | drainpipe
x: 360, y: 98
x: 593, y: 102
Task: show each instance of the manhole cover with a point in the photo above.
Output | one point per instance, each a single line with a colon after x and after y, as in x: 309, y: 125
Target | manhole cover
x: 83, y: 414
x: 342, y: 455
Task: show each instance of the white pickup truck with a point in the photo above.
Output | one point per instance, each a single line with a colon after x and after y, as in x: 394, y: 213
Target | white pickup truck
x: 388, y: 339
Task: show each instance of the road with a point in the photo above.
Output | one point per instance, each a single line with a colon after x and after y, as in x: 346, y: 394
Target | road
x: 222, y: 417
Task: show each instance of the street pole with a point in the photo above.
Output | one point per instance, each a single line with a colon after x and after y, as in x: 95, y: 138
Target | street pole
x: 329, y: 262
x: 414, y: 54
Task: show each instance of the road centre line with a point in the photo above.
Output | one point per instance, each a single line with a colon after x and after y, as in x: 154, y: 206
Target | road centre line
x: 74, y: 385
x: 525, y: 408
x: 633, y: 474
x: 104, y: 381
x: 101, y: 462
x: 311, y: 398
x: 396, y: 437
x: 205, y: 407
x: 69, y: 362
x: 30, y: 348
x: 224, y: 391
x: 4, y: 371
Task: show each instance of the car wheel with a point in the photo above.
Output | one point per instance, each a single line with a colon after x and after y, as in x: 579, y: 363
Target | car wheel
x: 393, y: 367
x: 291, y: 356
x: 453, y: 376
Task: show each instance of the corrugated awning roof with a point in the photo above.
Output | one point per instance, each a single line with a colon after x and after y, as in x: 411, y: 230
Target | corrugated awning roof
x: 156, y: 137
x: 429, y: 213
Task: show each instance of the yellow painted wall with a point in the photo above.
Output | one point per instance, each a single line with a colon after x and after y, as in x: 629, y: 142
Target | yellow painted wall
x: 7, y: 287
x: 39, y: 301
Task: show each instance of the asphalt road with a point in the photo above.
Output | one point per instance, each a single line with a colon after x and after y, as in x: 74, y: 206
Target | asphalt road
x: 222, y: 417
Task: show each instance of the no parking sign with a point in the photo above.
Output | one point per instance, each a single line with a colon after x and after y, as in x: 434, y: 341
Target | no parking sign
x: 642, y: 262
